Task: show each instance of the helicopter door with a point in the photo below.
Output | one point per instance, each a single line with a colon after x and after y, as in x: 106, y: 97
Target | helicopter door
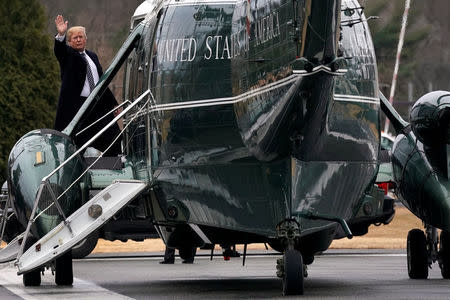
x: 154, y: 132
x: 136, y: 82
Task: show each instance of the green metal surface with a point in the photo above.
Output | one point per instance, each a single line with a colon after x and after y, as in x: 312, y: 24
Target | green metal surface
x: 248, y: 123
x: 236, y: 140
x: 385, y: 173
x: 422, y: 187
x: 26, y: 173
x: 101, y: 178
x: 420, y: 160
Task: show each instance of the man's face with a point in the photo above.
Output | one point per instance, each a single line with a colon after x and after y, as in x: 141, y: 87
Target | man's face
x: 78, y: 40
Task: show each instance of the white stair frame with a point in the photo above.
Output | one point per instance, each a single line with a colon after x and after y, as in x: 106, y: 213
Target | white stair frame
x: 9, y: 252
x: 79, y: 224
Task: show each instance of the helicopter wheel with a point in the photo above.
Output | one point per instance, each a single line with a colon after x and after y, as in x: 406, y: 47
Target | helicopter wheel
x: 32, y: 278
x: 293, y: 273
x: 444, y: 254
x: 63, y: 269
x: 417, y: 254
x: 85, y: 247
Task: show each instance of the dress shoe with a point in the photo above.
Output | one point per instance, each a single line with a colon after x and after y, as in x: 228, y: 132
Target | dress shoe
x: 167, y: 262
x: 187, y: 261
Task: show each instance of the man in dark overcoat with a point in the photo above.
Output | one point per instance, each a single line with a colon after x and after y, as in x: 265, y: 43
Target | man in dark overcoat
x: 80, y: 71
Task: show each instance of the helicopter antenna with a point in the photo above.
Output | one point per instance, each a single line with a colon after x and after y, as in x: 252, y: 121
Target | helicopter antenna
x: 397, y: 59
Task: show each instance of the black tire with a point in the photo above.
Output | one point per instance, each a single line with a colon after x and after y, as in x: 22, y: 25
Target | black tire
x: 85, y: 247
x: 293, y: 273
x: 417, y: 254
x: 32, y: 278
x: 444, y: 254
x: 64, y: 270
x: 187, y: 253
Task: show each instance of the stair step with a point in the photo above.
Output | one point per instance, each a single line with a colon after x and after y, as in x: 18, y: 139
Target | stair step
x: 85, y: 220
x: 9, y: 252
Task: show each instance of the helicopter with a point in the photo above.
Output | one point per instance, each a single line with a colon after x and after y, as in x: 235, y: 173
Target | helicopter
x: 244, y: 122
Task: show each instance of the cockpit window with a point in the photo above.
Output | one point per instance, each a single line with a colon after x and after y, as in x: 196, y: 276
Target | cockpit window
x: 361, y: 77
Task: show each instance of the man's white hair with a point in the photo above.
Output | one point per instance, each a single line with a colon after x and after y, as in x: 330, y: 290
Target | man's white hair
x: 73, y: 29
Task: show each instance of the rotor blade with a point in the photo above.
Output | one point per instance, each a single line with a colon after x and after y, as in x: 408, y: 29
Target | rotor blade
x: 393, y: 116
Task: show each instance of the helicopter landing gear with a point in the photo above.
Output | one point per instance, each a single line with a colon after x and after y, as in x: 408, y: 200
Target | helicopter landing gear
x: 290, y: 268
x: 444, y: 254
x: 422, y: 249
x: 32, y: 278
x: 63, y: 269
x: 292, y: 274
x: 417, y: 254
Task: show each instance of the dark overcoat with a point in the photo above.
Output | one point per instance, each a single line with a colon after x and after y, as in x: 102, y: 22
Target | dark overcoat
x: 73, y: 75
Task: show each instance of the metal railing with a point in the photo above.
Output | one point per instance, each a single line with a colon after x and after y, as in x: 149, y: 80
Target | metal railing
x: 5, y: 204
x: 45, y: 183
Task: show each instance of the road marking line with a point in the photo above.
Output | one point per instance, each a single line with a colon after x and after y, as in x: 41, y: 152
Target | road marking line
x: 80, y: 290
x: 218, y: 257
x: 366, y: 255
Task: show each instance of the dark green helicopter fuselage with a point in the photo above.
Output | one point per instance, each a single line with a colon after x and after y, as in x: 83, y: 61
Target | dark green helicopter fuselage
x: 240, y: 136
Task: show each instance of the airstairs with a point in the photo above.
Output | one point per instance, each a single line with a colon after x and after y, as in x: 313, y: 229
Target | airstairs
x: 92, y: 215
x: 86, y: 219
x: 101, y: 207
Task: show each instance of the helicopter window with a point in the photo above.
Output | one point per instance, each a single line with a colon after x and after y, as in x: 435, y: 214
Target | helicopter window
x: 137, y: 21
x: 139, y: 70
x: 136, y: 83
x: 131, y: 75
x: 192, y: 59
x: 361, y: 77
x: 128, y: 65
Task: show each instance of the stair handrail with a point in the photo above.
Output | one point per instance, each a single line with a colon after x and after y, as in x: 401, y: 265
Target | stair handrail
x: 104, y: 116
x: 45, y: 180
x: 113, y: 121
x: 5, y: 218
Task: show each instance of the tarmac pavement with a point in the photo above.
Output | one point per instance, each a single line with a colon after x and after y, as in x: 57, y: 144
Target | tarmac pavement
x: 337, y: 274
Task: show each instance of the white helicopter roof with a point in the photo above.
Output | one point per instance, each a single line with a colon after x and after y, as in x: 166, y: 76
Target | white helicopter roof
x: 144, y: 8
x: 141, y: 11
